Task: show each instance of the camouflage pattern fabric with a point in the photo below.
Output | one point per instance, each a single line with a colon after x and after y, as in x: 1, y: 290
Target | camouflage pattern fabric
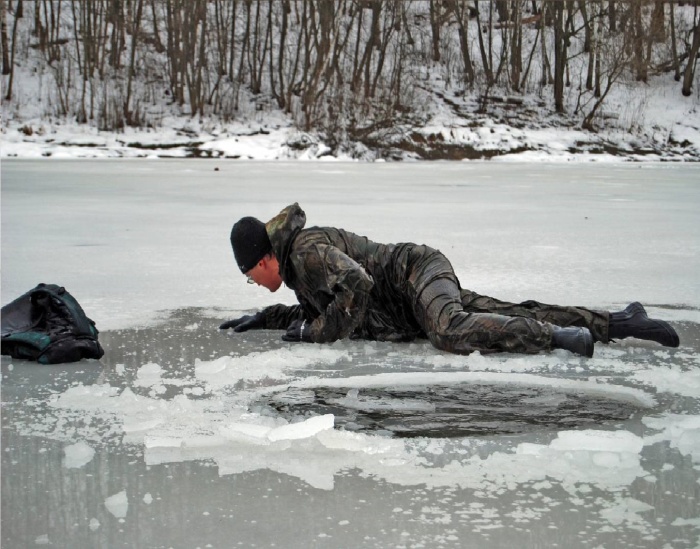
x: 349, y: 286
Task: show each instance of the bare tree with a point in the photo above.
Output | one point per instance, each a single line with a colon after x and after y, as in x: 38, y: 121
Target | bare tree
x: 117, y: 39
x: 435, y: 27
x: 486, y: 61
x: 618, y: 56
x: 638, y: 32
x: 539, y: 37
x: 17, y: 16
x: 281, y: 97
x: 460, y: 10
x: 589, y: 25
x: 130, y: 113
x: 692, y: 56
x: 674, y: 46
x: 560, y: 54
x: 516, y: 46
x: 6, y: 67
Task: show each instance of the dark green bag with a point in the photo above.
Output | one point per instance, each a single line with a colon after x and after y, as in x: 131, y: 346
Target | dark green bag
x: 48, y: 325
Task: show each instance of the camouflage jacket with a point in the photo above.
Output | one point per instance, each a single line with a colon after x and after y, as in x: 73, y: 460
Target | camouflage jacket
x: 346, y: 285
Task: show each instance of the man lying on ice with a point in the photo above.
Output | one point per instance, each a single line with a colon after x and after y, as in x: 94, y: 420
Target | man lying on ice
x: 350, y: 287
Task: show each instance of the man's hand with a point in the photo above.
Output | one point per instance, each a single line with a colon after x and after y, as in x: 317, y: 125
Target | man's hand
x: 244, y: 323
x: 299, y: 330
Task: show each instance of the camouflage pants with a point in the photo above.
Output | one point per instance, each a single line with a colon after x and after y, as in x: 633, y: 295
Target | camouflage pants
x: 461, y: 321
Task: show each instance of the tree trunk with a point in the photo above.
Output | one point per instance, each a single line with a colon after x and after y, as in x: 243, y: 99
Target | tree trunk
x: 281, y: 102
x: 640, y: 62
x: 516, y: 47
x: 131, y: 120
x: 435, y: 28
x: 18, y: 13
x: 546, y: 67
x: 6, y: 67
x: 612, y: 15
x: 589, y: 30
x: 559, y: 56
x: 657, y: 28
x: 459, y: 10
x: 692, y: 57
x: 158, y: 44
x: 116, y: 16
x: 674, y: 46
x: 393, y: 16
x: 485, y: 57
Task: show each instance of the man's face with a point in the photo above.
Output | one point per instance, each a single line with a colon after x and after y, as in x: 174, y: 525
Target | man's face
x: 266, y: 274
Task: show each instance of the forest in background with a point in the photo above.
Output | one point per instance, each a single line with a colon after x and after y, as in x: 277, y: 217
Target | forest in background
x: 342, y: 68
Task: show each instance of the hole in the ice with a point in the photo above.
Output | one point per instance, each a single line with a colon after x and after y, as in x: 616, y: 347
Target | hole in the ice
x: 451, y: 411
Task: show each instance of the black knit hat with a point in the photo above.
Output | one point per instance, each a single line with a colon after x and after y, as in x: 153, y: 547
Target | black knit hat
x: 250, y: 242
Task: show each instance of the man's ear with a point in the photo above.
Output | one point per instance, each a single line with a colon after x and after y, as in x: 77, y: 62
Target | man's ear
x: 266, y: 260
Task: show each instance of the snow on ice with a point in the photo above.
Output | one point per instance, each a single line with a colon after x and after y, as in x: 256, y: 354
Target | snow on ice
x: 78, y: 455
x: 118, y: 504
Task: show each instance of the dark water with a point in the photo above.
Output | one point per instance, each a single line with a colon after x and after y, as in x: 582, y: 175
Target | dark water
x: 452, y: 411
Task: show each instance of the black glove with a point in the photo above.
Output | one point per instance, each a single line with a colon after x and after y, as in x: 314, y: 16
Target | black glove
x: 299, y: 330
x: 247, y: 322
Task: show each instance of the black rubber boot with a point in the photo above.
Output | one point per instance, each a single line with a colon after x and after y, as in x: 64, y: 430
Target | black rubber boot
x: 634, y: 322
x: 576, y: 340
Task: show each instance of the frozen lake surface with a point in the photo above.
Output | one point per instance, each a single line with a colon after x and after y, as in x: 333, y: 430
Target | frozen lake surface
x: 186, y: 436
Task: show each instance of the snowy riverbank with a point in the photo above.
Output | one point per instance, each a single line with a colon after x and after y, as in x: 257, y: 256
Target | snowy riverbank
x: 652, y: 124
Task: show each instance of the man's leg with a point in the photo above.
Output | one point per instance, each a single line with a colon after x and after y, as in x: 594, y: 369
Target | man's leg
x: 596, y: 321
x: 440, y: 314
x: 437, y: 305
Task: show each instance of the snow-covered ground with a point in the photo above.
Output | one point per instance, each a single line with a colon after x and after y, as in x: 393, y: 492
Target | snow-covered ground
x: 647, y: 123
x: 185, y: 436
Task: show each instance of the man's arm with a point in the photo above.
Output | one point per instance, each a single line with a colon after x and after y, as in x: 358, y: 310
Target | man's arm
x: 278, y: 317
x: 274, y: 317
x: 345, y: 286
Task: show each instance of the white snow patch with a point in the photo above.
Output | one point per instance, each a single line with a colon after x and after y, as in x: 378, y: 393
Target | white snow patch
x: 682, y: 432
x: 598, y: 441
x: 77, y: 455
x: 626, y: 510
x: 275, y: 364
x: 118, y: 504
x: 304, y: 429
x: 149, y: 374
x: 672, y: 379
